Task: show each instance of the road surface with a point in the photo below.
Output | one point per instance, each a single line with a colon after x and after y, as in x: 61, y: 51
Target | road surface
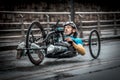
x: 106, y: 67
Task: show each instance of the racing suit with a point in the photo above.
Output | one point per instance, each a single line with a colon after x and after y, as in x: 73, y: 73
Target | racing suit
x: 63, y: 49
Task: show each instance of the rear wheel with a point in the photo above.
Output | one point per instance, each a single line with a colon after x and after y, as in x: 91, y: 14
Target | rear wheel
x: 34, y: 40
x: 94, y: 44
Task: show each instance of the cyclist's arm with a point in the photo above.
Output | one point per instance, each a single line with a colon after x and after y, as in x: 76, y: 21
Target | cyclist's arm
x: 80, y: 49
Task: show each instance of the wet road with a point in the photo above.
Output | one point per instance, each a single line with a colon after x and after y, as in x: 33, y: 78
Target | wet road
x: 79, y: 67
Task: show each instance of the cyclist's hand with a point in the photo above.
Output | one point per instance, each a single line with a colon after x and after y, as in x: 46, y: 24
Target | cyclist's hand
x: 69, y: 40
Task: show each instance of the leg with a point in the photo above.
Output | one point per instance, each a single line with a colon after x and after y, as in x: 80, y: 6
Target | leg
x: 56, y: 49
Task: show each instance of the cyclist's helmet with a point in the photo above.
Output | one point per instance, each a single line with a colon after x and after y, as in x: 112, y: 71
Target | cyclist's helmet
x: 71, y: 23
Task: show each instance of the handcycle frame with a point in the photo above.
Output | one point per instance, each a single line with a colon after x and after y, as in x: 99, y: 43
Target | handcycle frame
x: 50, y: 38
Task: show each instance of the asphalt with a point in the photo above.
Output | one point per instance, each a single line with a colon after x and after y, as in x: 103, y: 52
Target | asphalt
x: 13, y: 45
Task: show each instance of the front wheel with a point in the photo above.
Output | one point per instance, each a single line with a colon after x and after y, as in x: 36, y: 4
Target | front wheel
x: 34, y: 40
x: 94, y: 44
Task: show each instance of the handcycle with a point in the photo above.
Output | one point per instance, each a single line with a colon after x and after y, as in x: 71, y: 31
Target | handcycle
x: 37, y: 41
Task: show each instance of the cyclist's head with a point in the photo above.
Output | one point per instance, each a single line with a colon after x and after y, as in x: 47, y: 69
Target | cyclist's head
x: 70, y: 28
x: 70, y: 23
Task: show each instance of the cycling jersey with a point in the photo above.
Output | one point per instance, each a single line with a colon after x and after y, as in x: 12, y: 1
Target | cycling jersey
x: 76, y: 40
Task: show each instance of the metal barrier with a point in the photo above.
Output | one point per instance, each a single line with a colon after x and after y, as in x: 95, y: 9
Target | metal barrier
x: 85, y: 20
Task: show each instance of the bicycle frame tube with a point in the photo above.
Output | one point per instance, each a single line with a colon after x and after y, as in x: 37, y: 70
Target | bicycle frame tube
x: 51, y: 33
x: 48, y: 35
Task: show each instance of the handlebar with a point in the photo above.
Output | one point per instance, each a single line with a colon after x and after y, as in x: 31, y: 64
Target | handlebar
x: 57, y: 22
x: 57, y: 28
x: 54, y: 26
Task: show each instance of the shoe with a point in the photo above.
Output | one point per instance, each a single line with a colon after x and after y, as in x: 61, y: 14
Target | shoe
x: 19, y: 54
x: 20, y: 50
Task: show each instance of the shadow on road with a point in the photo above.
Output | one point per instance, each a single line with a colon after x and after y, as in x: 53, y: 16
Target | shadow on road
x: 47, y: 64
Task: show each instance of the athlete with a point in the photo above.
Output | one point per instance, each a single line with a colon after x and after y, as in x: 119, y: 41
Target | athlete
x: 70, y: 46
x: 64, y: 49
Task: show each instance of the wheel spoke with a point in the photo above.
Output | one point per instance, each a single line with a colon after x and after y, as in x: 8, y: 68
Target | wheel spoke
x: 33, y: 37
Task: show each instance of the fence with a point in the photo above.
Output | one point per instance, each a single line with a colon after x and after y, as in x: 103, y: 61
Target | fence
x: 107, y: 23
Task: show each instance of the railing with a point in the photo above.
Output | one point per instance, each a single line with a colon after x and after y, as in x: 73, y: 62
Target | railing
x: 102, y: 21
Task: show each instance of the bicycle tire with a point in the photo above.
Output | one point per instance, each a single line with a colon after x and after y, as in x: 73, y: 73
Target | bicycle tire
x: 35, y: 56
x: 91, y: 44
